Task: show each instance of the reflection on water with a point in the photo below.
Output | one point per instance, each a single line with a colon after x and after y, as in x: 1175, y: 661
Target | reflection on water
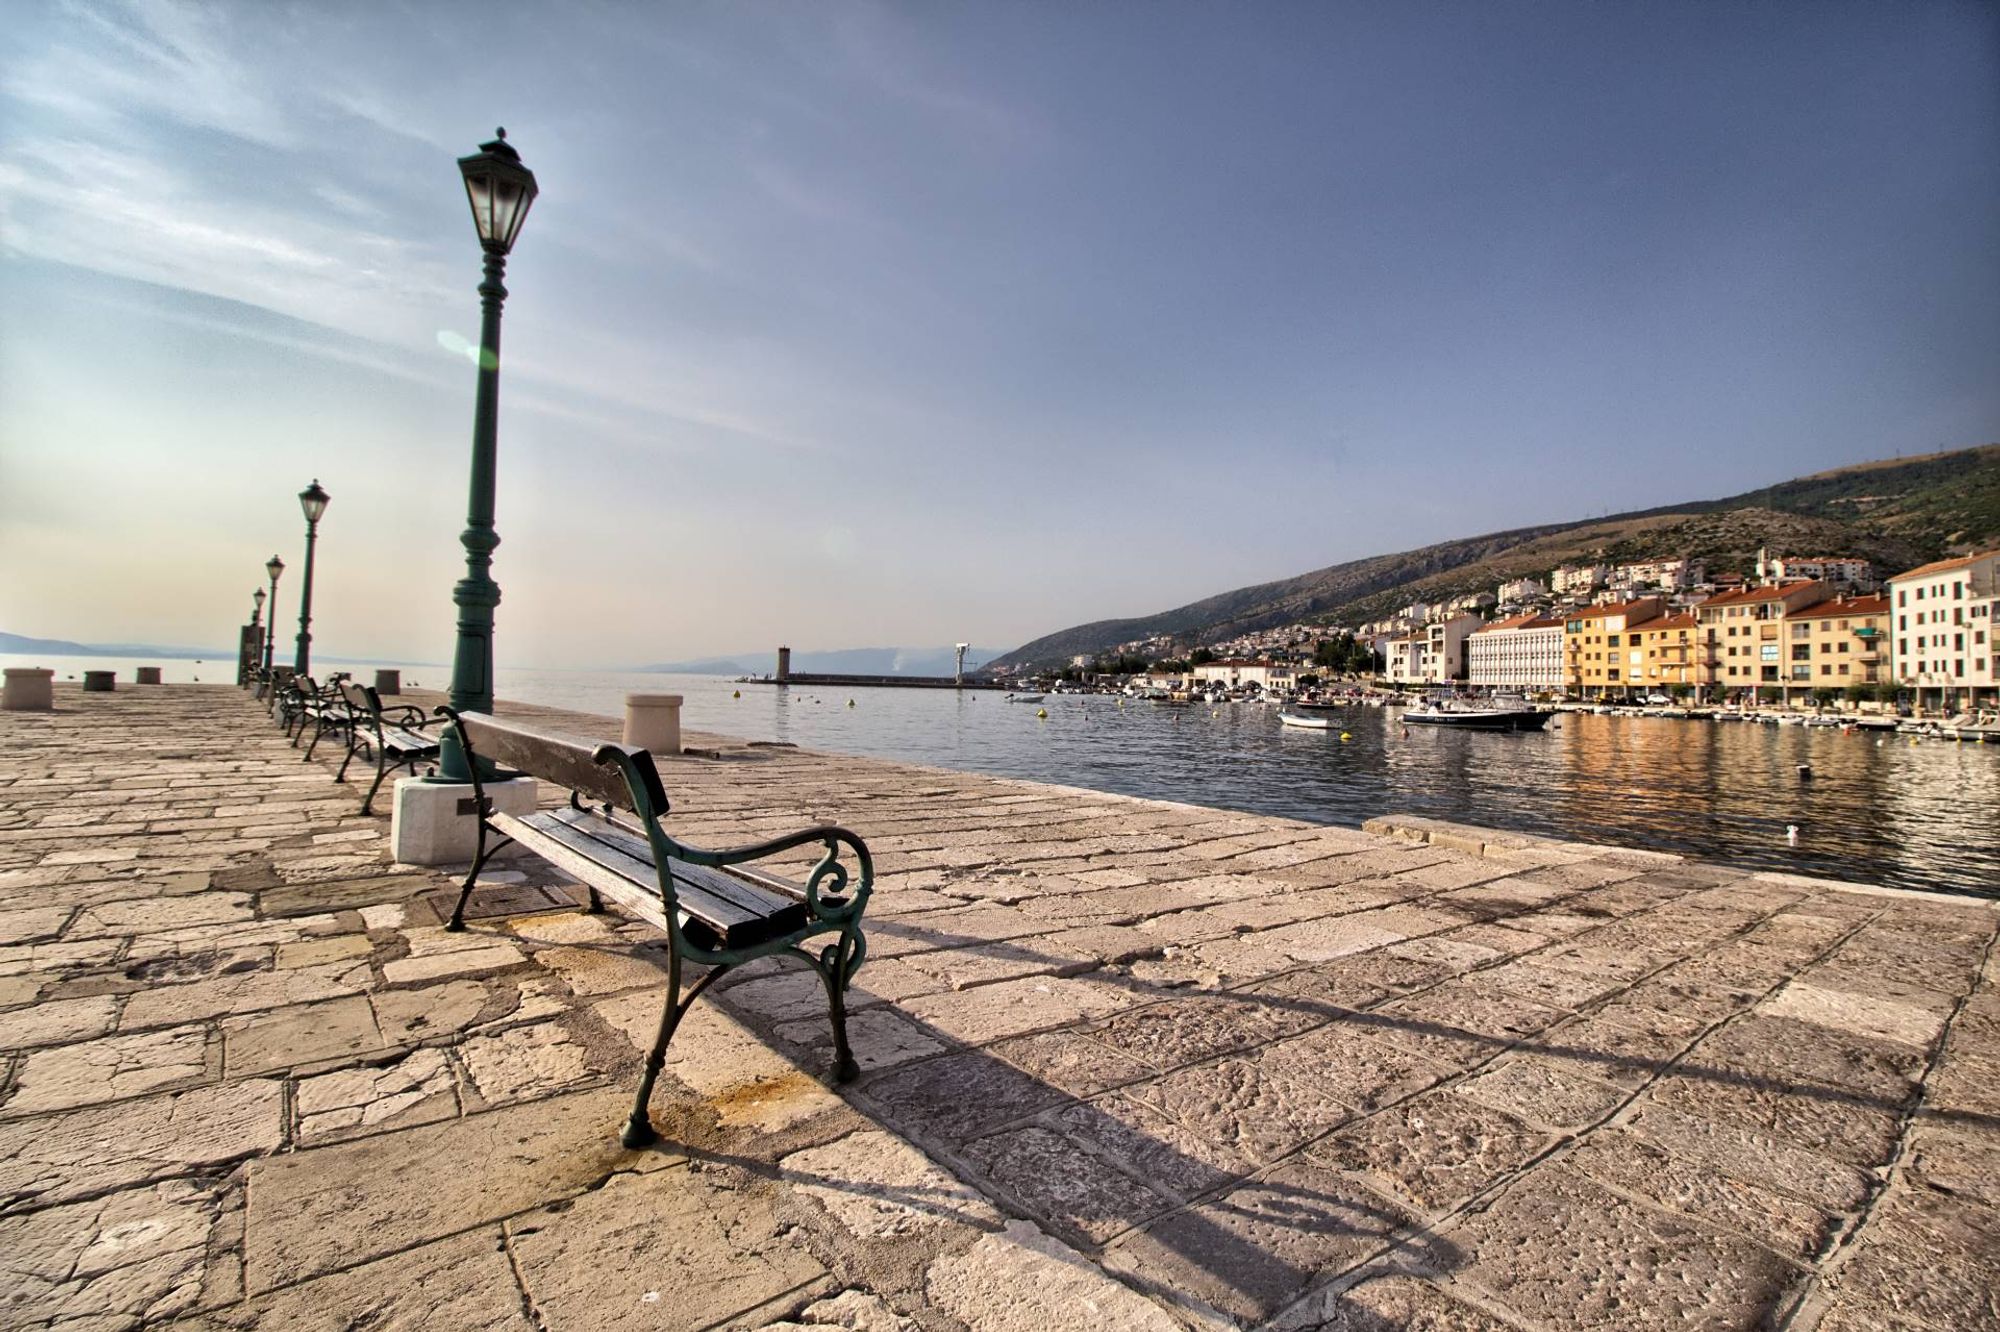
x: 1876, y: 810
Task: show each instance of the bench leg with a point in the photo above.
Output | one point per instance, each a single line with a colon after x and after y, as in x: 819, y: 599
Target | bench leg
x: 639, y: 1131
x: 456, y: 925
x: 381, y: 771
x: 837, y: 963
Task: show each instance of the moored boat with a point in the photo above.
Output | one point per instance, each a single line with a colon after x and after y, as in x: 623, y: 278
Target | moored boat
x: 1320, y: 723
x: 1471, y: 715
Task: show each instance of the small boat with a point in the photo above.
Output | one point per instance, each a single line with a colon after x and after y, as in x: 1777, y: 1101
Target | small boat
x: 1309, y: 723
x: 1468, y: 715
x: 1024, y: 698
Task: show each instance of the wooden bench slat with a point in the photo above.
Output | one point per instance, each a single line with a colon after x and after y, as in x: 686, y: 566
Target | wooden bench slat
x: 712, y: 920
x: 634, y: 857
x: 751, y: 898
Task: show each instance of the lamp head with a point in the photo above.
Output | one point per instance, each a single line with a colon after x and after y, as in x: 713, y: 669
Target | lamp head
x: 274, y: 566
x: 313, y: 500
x: 500, y: 190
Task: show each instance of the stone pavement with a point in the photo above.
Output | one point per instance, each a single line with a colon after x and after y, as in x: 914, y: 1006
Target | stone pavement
x: 1128, y: 1065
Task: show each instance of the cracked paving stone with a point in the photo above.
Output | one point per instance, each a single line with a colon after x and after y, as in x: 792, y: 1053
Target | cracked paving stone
x: 1960, y: 1162
x: 1387, y: 1304
x: 1437, y: 1151
x: 58, y: 1021
x: 1758, y: 1158
x: 1157, y: 1148
x: 1544, y: 1093
x: 851, y: 1310
x: 1923, y: 1260
x: 602, y: 971
x: 1787, y: 1050
x: 1456, y: 1026
x: 53, y: 1158
x: 1622, y: 1046
x: 1244, y: 1105
x: 1827, y: 1120
x: 1342, y: 1063
x: 878, y: 1037
x: 243, y: 992
x: 1016, y: 1007
x: 109, y: 1069
x: 1631, y: 1164
x: 1260, y: 1246
x: 523, y: 1063
x: 1070, y: 1061
x: 679, y: 1247
x: 464, y: 1284
x: 1559, y: 1247
x: 417, y: 1089
x: 1022, y: 1280
x: 112, y: 1262
x: 1068, y: 1191
x: 1181, y: 1031
x: 319, y: 1210
x: 877, y: 1186
x: 959, y: 1097
x: 290, y: 1037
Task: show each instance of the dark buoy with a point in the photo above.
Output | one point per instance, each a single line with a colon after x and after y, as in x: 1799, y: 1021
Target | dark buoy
x: 1805, y: 772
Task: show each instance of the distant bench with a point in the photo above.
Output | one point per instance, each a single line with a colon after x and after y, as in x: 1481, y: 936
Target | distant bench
x: 393, y: 736
x: 714, y: 908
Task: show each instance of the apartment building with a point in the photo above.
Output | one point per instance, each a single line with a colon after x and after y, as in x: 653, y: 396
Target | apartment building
x: 1742, y: 636
x: 1945, y: 617
x: 1662, y: 654
x: 1836, y: 643
x: 1525, y: 652
x: 1845, y: 574
x: 1241, y: 672
x: 1597, y: 658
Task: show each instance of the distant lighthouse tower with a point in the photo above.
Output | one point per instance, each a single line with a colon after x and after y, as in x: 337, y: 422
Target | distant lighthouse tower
x: 959, y: 677
x: 784, y: 665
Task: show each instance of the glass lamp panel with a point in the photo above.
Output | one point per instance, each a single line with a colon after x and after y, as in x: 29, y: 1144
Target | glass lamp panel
x: 479, y: 190
x: 313, y: 501
x: 274, y: 567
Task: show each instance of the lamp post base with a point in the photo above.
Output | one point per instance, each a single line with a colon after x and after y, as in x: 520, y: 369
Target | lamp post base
x: 436, y: 823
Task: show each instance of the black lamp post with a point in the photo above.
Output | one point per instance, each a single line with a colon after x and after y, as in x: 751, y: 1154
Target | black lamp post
x: 500, y: 190
x: 312, y: 500
x: 274, y: 566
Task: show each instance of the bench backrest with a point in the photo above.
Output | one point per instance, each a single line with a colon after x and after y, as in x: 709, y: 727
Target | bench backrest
x: 560, y: 758
x: 361, y: 699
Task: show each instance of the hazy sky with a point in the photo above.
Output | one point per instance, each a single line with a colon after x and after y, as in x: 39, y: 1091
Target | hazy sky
x: 847, y: 324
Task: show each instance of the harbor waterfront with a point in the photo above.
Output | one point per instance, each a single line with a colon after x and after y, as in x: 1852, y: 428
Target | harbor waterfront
x: 1876, y: 809
x: 1127, y: 1066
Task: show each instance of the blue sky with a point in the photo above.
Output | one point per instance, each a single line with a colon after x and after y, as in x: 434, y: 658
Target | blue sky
x: 848, y: 324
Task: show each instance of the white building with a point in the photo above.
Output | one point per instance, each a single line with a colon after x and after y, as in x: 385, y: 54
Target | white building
x: 1525, y: 652
x: 1403, y: 659
x: 1578, y: 578
x: 1668, y: 575
x: 1237, y: 672
x: 1844, y: 574
x: 1942, y: 641
x: 1521, y: 589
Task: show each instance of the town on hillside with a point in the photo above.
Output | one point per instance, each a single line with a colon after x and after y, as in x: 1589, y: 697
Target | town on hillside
x: 1827, y: 631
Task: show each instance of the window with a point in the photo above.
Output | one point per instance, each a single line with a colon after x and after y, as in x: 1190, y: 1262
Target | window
x: 1801, y: 651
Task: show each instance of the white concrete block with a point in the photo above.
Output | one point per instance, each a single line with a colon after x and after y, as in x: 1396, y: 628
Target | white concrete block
x: 434, y: 823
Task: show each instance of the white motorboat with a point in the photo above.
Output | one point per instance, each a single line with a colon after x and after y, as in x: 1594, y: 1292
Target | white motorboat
x: 1024, y: 698
x: 1321, y: 723
x: 1477, y: 715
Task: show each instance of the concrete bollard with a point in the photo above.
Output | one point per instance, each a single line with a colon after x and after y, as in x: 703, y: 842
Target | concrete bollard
x: 100, y: 682
x: 28, y: 689
x: 388, y: 682
x: 653, y: 722
x: 149, y: 675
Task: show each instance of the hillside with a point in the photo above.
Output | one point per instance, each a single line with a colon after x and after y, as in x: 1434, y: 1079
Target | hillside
x: 1896, y: 513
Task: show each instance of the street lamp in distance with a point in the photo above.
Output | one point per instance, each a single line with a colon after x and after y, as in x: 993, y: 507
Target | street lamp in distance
x: 500, y: 190
x: 273, y: 566
x: 312, y: 502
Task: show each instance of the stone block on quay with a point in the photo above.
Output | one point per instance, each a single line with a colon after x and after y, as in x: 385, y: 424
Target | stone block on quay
x: 433, y: 823
x: 28, y: 689
x: 876, y: 1186
x: 1021, y: 1280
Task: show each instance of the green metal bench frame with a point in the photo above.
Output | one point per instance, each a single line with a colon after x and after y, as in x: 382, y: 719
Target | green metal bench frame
x: 393, y: 736
x: 716, y: 911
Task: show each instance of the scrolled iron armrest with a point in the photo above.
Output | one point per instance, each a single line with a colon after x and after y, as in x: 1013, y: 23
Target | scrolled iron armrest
x: 408, y: 715
x: 829, y: 878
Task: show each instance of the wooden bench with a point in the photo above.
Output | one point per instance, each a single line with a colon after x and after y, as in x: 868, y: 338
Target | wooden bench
x: 717, y: 909
x: 393, y: 735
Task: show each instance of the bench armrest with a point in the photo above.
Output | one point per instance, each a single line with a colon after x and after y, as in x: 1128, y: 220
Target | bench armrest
x: 408, y: 716
x: 830, y: 878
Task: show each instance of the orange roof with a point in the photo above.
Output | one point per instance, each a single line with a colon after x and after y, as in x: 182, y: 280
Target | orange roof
x: 1529, y: 621
x: 1662, y: 622
x: 1750, y: 594
x: 1944, y: 566
x: 1615, y: 608
x: 1826, y: 610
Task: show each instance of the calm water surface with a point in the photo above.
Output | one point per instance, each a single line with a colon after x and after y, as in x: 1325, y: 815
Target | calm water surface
x: 1878, y: 810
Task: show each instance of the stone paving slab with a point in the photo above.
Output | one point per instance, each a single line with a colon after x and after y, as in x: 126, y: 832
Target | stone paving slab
x: 1126, y: 1065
